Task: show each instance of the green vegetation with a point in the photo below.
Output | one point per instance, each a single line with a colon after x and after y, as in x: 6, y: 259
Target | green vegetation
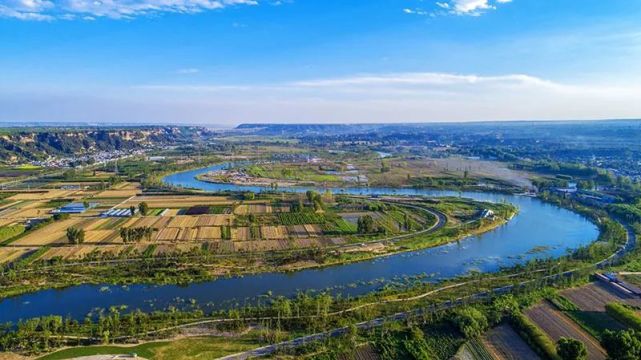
x: 624, y: 314
x: 301, y: 218
x: 290, y: 172
x: 571, y: 349
x: 622, y: 345
x: 9, y: 232
x: 534, y: 336
x: 182, y: 349
x: 136, y: 234
x: 75, y: 235
x: 470, y: 321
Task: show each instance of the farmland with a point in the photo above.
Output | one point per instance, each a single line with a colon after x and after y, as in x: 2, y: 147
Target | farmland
x: 505, y: 344
x: 182, y: 224
x: 594, y: 297
x: 556, y: 325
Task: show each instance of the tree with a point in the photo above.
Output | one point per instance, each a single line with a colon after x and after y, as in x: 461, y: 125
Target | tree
x: 132, y: 210
x: 143, y: 207
x: 470, y: 321
x: 75, y: 235
x: 622, y: 345
x: 571, y: 349
x: 365, y: 224
x: 249, y: 195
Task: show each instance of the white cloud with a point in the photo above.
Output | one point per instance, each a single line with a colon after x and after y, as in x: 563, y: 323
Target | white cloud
x: 396, y: 97
x: 466, y: 7
x: 114, y: 9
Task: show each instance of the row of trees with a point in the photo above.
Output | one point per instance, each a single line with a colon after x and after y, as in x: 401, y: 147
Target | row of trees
x: 136, y: 234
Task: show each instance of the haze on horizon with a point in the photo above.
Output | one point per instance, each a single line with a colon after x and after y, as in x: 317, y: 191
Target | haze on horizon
x: 225, y: 62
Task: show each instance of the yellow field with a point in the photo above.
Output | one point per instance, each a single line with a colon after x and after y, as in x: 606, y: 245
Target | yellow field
x: 116, y: 194
x: 214, y: 220
x: 42, y: 195
x: 208, y: 233
x: 240, y: 234
x: 183, y: 221
x: 146, y: 221
x: 171, y: 212
x: 312, y: 230
x: 11, y: 254
x: 241, y: 210
x: 167, y: 234
x: 53, y: 233
x: 187, y: 234
x: 177, y: 201
x: 97, y: 236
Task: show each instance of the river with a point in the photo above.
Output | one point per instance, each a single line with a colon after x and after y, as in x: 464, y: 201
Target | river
x: 540, y: 230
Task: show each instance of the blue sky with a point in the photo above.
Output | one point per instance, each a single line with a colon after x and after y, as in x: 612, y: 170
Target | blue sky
x: 223, y: 62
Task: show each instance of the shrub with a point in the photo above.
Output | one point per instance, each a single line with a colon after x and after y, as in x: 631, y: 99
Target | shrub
x: 571, y: 349
x: 536, y: 338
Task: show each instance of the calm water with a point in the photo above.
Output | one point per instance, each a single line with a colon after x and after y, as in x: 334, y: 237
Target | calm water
x: 546, y: 228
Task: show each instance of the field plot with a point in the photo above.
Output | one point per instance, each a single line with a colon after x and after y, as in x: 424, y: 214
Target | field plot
x: 42, y: 194
x: 313, y: 230
x: 52, y: 233
x: 101, y: 236
x: 69, y: 252
x: 171, y: 212
x: 241, y: 210
x: 176, y: 201
x: 187, y: 234
x: 183, y: 221
x: 208, y: 233
x: 365, y: 352
x: 306, y: 243
x: 298, y: 231
x: 594, y: 297
x: 265, y: 245
x: 27, y: 213
x: 146, y: 221
x: 505, y: 344
x: 558, y: 325
x: 8, y: 255
x: 274, y: 232
x: 168, y: 234
x: 240, y: 234
x: 125, y: 193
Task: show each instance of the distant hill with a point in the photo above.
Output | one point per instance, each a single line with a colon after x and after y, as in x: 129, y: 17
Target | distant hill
x: 28, y: 144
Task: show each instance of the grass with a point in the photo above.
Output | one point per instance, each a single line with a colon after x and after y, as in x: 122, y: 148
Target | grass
x: 192, y: 348
x: 8, y: 232
x: 593, y: 322
x: 55, y: 203
x: 624, y: 314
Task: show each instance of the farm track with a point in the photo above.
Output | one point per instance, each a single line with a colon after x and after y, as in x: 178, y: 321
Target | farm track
x: 558, y: 325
